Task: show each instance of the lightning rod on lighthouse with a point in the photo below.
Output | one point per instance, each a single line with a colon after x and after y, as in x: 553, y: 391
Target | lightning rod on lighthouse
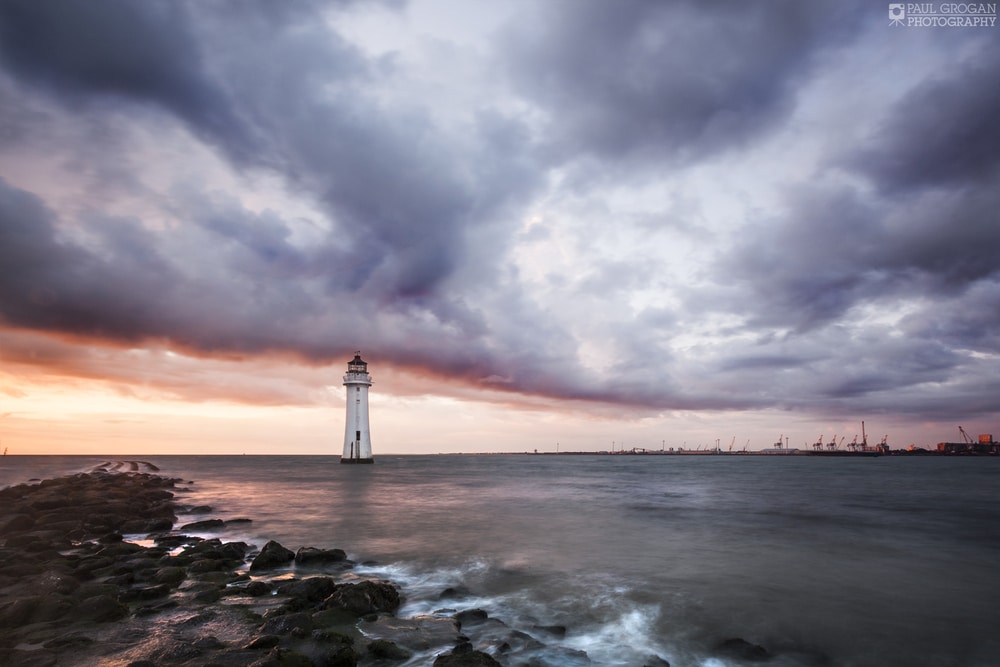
x: 357, y: 435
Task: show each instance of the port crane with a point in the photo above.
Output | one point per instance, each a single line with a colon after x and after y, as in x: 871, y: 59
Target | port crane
x: 965, y: 436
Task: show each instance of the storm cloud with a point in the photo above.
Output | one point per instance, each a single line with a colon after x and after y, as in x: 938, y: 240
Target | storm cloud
x: 652, y: 205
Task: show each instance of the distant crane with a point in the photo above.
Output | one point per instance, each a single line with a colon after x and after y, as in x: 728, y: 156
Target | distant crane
x: 732, y: 443
x: 818, y: 444
x: 965, y: 436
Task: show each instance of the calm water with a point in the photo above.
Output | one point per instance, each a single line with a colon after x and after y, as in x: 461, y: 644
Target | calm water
x: 885, y: 561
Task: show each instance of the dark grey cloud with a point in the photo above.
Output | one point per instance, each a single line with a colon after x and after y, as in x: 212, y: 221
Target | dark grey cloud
x: 400, y: 189
x: 943, y: 132
x: 670, y: 80
x: 87, y: 53
x: 417, y: 211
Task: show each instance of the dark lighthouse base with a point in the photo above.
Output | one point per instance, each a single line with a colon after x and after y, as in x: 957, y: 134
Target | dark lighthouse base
x: 350, y: 460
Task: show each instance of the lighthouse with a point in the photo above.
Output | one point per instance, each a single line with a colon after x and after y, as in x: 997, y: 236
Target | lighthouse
x: 357, y: 436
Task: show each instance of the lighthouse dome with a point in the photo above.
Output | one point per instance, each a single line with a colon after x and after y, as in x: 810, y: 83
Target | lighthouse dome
x: 357, y: 364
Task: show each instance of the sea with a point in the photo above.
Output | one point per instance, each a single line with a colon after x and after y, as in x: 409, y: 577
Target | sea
x: 885, y: 561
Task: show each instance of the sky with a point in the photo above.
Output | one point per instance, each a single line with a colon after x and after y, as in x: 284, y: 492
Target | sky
x: 546, y: 224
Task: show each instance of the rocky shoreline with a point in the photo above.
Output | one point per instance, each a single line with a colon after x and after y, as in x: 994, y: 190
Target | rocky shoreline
x: 73, y: 591
x: 98, y: 568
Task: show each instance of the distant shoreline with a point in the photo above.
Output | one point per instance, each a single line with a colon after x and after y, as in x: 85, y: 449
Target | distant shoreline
x: 765, y: 453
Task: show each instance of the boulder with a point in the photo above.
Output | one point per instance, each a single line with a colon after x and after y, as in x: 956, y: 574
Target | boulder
x: 170, y: 575
x: 381, y: 648
x: 470, y: 617
x: 236, y: 551
x: 271, y: 556
x: 313, y: 556
x: 312, y: 589
x: 101, y: 609
x: 364, y: 597
x: 454, y: 593
x: 145, y: 593
x: 257, y: 588
x: 463, y: 655
x: 55, y: 581
x: 299, y: 623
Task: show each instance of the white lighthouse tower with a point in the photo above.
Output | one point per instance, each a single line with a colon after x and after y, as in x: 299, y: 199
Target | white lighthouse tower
x: 357, y: 436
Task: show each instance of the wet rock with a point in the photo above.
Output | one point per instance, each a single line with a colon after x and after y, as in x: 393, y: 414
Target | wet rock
x: 741, y: 649
x: 140, y: 526
x: 55, y: 581
x: 287, y: 624
x: 311, y: 556
x: 144, y: 593
x: 11, y: 656
x: 340, y: 656
x: 271, y: 556
x: 655, y: 661
x: 417, y: 634
x: 208, y: 643
x: 279, y: 657
x: 120, y: 549
x: 312, y: 589
x: 207, y: 595
x: 208, y: 524
x: 554, y: 630
x: 238, y: 521
x: 264, y: 642
x: 18, y: 612
x: 101, y: 609
x: 381, y: 648
x: 454, y: 593
x: 464, y: 655
x: 155, y: 607
x: 257, y: 588
x: 203, y: 565
x: 470, y: 617
x: 365, y: 597
x: 90, y: 590
x: 233, y: 551
x: 70, y: 641
x: 203, y: 548
x: 334, y: 617
x: 18, y: 522
x: 174, y: 541
x: 170, y: 575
